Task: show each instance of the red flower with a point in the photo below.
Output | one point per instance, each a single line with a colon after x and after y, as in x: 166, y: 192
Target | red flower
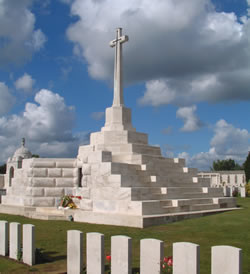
x: 170, y: 261
x: 163, y: 266
x: 165, y: 260
x: 108, y: 258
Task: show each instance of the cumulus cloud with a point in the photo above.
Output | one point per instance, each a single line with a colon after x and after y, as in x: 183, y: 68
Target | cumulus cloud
x: 18, y: 36
x: 47, y: 125
x: 227, y: 142
x: 6, y: 99
x: 191, y: 120
x: 25, y: 83
x: 186, y: 51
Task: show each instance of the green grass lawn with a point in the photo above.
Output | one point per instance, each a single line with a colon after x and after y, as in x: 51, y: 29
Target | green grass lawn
x: 229, y: 228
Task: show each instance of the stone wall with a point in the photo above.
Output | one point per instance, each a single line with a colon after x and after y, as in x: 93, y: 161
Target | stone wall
x: 234, y: 178
x: 2, y: 180
x: 42, y: 182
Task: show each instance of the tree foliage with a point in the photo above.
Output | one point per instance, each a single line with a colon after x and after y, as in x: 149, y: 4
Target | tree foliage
x: 247, y: 167
x: 228, y: 164
x: 3, y: 169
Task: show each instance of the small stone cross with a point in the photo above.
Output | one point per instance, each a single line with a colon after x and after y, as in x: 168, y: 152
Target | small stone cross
x: 118, y: 87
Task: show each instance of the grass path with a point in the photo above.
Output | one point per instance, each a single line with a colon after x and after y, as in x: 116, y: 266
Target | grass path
x: 229, y: 228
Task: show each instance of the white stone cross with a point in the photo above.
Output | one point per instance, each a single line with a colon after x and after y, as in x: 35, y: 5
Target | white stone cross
x: 118, y: 88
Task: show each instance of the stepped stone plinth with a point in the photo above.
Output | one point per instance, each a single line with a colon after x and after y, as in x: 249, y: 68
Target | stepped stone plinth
x: 121, y: 178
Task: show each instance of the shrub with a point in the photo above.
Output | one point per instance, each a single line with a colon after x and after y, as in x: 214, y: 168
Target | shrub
x: 247, y: 187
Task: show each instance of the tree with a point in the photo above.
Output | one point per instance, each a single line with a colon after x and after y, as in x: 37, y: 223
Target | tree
x: 3, y: 169
x: 228, y: 164
x: 247, y: 167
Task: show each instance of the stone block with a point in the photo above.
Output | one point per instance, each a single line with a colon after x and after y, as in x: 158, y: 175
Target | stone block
x: 69, y: 172
x: 74, y: 251
x: 86, y: 204
x: 226, y: 259
x: 4, y: 238
x: 15, y: 240
x: 29, y: 244
x: 38, y: 192
x: 121, y: 254
x: 44, y: 201
x: 95, y: 249
x: 151, y: 256
x: 86, y: 169
x: 66, y: 182
x: 186, y: 258
x: 54, y: 192
x: 100, y: 156
x: 39, y: 172
x: 43, y: 182
x: 66, y: 163
x: 54, y: 172
x: 43, y: 163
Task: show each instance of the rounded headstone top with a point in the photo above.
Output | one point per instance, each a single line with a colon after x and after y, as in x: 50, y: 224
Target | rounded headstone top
x: 23, y: 152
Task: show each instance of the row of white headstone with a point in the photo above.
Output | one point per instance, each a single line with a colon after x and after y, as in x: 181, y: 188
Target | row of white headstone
x: 10, y: 242
x: 186, y: 256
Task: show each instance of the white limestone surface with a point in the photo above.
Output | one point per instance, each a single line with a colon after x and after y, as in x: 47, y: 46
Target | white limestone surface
x: 74, y: 251
x: 121, y: 254
x: 186, y: 258
x: 15, y: 240
x: 226, y: 259
x: 95, y: 249
x: 4, y: 238
x: 29, y: 244
x: 151, y: 256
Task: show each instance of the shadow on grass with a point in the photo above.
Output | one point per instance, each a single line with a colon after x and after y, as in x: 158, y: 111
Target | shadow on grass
x: 107, y: 270
x: 47, y: 257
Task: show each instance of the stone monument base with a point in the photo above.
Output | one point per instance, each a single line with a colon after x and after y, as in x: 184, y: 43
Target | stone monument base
x: 106, y: 218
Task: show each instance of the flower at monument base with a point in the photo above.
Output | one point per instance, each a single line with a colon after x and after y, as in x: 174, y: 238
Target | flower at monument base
x: 167, y: 264
x: 67, y: 202
x: 108, y: 258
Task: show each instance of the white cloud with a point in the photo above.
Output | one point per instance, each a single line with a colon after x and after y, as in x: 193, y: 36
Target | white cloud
x: 186, y: 51
x: 158, y: 93
x: 6, y: 99
x: 97, y: 115
x: 25, y: 83
x: 227, y: 142
x: 47, y: 125
x: 191, y: 120
x: 18, y: 36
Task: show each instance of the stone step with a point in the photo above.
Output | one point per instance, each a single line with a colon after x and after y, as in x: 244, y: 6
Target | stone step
x: 199, y: 207
x: 142, y: 159
x: 182, y: 202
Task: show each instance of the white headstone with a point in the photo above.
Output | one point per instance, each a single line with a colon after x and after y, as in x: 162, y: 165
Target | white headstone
x: 186, y: 258
x: 151, y: 256
x: 4, y: 238
x: 15, y: 240
x: 243, y: 192
x: 95, y: 253
x: 226, y: 259
x: 74, y: 251
x: 29, y: 244
x: 121, y: 255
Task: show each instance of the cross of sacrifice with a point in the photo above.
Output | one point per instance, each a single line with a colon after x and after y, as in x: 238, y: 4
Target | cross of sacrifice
x: 118, y: 87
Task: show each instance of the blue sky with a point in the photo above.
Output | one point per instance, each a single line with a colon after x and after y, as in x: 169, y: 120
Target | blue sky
x: 186, y: 74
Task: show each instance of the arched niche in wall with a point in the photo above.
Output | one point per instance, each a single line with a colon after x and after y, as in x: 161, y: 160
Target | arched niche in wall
x: 11, y: 175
